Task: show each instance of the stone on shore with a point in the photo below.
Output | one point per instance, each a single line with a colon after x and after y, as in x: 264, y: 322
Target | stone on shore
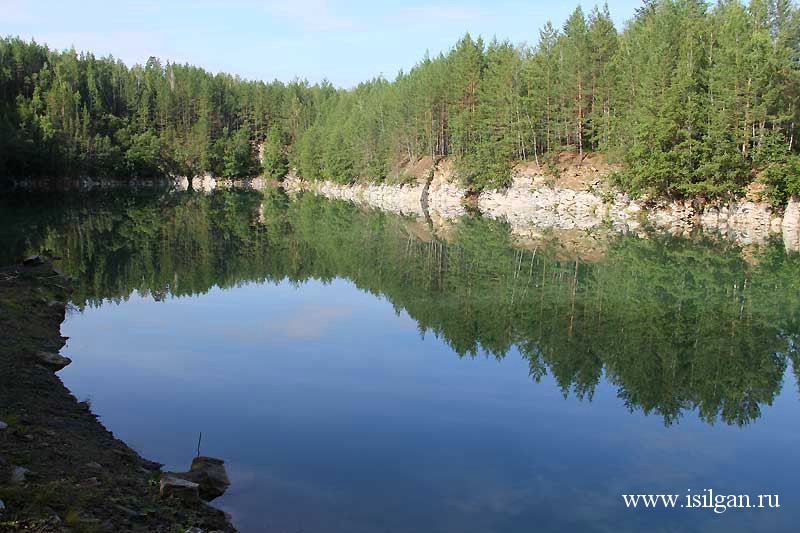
x: 3, y: 425
x: 33, y: 260
x: 53, y: 359
x: 182, y: 489
x: 209, y: 473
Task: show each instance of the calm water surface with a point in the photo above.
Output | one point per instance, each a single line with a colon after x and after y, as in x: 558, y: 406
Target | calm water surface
x: 362, y: 372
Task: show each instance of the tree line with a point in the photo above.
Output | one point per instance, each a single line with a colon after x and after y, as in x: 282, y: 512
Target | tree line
x: 65, y: 113
x: 691, y: 99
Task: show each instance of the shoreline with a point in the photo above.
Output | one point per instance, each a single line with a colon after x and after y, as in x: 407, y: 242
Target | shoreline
x: 535, y: 201
x: 60, y: 468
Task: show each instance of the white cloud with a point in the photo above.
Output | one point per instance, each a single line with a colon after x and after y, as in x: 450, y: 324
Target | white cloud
x: 311, y: 321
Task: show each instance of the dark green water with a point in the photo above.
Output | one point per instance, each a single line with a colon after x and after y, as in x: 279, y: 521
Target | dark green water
x: 359, y: 374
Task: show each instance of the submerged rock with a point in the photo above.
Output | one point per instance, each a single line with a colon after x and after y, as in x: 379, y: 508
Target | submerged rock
x: 3, y: 425
x: 53, y: 359
x: 209, y: 473
x: 182, y: 489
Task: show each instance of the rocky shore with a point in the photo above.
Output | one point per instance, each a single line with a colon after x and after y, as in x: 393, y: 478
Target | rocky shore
x: 572, y: 195
x: 60, y: 469
x: 535, y: 201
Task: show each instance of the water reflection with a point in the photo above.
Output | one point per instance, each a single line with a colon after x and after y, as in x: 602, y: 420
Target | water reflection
x: 675, y: 325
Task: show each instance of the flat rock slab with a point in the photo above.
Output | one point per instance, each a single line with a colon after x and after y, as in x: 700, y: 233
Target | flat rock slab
x: 182, y: 489
x: 54, y: 360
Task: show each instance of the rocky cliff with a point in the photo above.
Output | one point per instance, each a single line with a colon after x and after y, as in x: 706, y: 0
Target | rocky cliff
x: 580, y: 199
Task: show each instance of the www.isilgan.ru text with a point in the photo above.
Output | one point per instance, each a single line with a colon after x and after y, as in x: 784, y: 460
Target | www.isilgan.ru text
x: 706, y: 499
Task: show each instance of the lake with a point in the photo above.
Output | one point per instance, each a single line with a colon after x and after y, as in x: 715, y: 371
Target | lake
x: 364, y: 372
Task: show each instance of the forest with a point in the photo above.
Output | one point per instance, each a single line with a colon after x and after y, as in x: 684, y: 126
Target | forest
x: 690, y: 99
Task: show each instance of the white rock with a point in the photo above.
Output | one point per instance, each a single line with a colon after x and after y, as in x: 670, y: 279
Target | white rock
x: 791, y: 216
x: 181, y: 183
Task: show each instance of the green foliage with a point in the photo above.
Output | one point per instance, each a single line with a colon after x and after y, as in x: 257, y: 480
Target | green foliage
x: 273, y: 158
x: 783, y: 180
x: 238, y: 157
x: 700, y: 95
x: 307, y: 155
x: 144, y: 155
x: 337, y: 162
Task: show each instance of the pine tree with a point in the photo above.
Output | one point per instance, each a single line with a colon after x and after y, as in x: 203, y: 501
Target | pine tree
x: 574, y: 46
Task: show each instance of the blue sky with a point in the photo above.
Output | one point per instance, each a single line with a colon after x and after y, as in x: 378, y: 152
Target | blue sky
x: 343, y: 41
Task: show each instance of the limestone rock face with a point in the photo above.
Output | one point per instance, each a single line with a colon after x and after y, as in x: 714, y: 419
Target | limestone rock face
x: 445, y: 195
x: 791, y: 217
x: 530, y: 202
x: 399, y: 199
x: 204, y: 183
x: 525, y: 204
x: 180, y: 183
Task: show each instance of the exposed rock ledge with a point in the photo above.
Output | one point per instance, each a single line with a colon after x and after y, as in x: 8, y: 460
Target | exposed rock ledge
x: 530, y: 202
